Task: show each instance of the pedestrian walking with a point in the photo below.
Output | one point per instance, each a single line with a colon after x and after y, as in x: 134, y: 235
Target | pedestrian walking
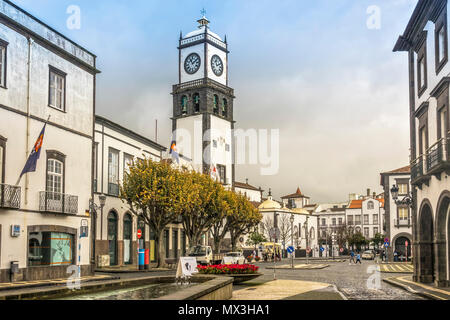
x: 358, y: 259
x: 352, y: 257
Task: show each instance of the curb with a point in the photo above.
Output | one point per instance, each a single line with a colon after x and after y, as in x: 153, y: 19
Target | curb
x: 405, y: 287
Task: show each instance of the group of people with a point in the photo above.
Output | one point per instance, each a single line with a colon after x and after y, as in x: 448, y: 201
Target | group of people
x: 354, y: 256
x: 272, y: 256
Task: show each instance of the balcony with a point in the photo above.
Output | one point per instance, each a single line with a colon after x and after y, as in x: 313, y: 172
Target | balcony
x: 10, y: 196
x: 434, y: 162
x: 52, y: 202
x: 402, y: 223
x: 200, y: 83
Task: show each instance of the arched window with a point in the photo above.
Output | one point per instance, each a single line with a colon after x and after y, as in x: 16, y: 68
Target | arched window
x: 225, y: 108
x: 370, y: 205
x: 184, y: 103
x: 216, y: 104
x: 358, y: 230
x: 196, y: 103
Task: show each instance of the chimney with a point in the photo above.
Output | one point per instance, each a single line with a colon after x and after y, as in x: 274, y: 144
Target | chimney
x: 374, y: 195
x: 246, y: 181
x: 368, y: 192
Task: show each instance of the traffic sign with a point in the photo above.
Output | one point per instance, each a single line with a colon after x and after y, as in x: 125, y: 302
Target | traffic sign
x: 386, y: 244
x: 406, y: 243
x: 139, y: 233
x: 290, y: 249
x: 341, y: 250
x: 322, y: 249
x: 386, y: 240
x: 308, y: 250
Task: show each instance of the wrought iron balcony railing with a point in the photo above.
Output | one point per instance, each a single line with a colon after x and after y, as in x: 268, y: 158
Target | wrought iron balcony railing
x: 399, y: 223
x: 435, y: 154
x: 58, y: 203
x: 417, y: 168
x: 10, y: 196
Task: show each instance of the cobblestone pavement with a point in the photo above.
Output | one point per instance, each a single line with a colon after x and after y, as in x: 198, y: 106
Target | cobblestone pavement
x: 351, y: 280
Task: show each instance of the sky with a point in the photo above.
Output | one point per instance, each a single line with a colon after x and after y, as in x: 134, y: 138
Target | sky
x: 312, y: 69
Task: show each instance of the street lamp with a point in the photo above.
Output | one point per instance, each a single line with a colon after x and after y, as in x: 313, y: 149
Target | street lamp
x: 292, y: 240
x: 93, y: 207
x: 406, y: 201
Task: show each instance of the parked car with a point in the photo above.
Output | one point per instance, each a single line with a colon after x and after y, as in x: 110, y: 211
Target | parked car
x: 235, y: 257
x: 368, y: 255
x: 204, y: 255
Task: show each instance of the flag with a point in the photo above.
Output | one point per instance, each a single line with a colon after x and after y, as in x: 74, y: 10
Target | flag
x: 173, y: 152
x: 35, y: 154
x: 214, y: 173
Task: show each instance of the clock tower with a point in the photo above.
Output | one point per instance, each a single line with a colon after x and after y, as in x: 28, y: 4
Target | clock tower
x: 203, y: 103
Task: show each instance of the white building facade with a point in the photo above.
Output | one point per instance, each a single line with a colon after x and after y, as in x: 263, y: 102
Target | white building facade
x: 398, y: 217
x: 116, y: 244
x: 44, y: 74
x: 425, y: 39
x: 365, y: 216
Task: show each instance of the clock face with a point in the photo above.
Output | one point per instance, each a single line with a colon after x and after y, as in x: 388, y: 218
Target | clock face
x: 192, y: 63
x: 217, y: 65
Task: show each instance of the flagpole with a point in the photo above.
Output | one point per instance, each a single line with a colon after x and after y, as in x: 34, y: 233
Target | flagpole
x: 20, y: 177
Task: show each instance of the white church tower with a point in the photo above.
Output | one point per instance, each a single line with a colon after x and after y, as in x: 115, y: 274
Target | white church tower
x: 203, y: 103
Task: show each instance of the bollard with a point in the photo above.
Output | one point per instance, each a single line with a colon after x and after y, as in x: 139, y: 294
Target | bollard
x: 141, y: 259
x: 147, y: 259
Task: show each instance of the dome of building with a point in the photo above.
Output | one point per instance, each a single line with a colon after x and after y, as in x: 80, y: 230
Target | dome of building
x: 270, y: 204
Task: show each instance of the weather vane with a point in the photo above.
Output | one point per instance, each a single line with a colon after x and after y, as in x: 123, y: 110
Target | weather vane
x: 203, y: 12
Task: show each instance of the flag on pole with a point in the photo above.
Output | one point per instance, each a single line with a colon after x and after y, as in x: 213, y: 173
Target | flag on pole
x: 35, y: 154
x: 214, y: 173
x: 174, y: 152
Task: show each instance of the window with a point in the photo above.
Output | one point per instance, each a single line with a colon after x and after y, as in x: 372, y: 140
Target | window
x: 127, y: 162
x: 127, y: 238
x: 184, y: 103
x: 340, y: 221
x: 402, y: 189
x: 215, y: 143
x: 312, y: 234
x: 227, y: 148
x: 422, y: 70
x: 375, y: 231
x: 299, y: 230
x: 96, y: 167
x: 196, y: 103
x: 366, y: 219
x: 350, y: 220
x: 113, y: 172
x: 57, y: 93
x: 370, y: 205
x: 403, y: 214
x: 3, y: 64
x: 423, y: 142
x: 366, y: 232
x: 222, y: 173
x: 324, y: 234
x: 441, y: 43
x: 55, y: 179
x: 50, y: 249
x: 324, y: 222
x: 443, y: 123
x: 375, y: 219
x: 216, y: 104
x: 333, y: 221
x: 225, y: 108
x: 2, y: 159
